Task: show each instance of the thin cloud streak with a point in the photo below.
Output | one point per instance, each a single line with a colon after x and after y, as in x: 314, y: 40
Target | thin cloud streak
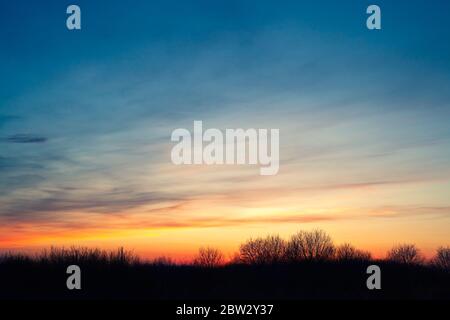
x: 24, y: 138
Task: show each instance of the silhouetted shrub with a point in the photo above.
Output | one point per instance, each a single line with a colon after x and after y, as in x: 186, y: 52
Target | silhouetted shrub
x: 346, y: 252
x: 15, y: 258
x: 123, y: 257
x: 310, y: 245
x: 209, y: 258
x: 267, y: 250
x: 405, y: 254
x: 83, y: 255
x: 163, y: 261
x: 442, y: 258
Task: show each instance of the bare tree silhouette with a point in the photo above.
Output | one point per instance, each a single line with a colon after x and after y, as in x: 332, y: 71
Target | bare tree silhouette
x: 263, y: 250
x: 406, y: 254
x: 310, y: 245
x: 442, y: 258
x: 163, y: 261
x: 209, y: 258
x: 122, y: 256
x: 347, y: 252
x: 313, y: 275
x: 76, y: 254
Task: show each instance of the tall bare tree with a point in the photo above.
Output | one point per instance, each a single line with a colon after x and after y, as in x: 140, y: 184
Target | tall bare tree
x: 209, y: 258
x: 346, y: 252
x: 442, y: 258
x: 406, y: 254
x: 263, y: 250
x: 310, y: 245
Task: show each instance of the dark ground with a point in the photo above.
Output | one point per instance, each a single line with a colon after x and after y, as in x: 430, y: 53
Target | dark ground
x: 27, y: 279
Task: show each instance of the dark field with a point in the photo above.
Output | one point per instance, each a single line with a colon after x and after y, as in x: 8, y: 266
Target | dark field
x: 116, y: 278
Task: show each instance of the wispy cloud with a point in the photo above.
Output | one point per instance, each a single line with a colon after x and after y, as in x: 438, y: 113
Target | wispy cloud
x: 25, y: 138
x: 86, y: 140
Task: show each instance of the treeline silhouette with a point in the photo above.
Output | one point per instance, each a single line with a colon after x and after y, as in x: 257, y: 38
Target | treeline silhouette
x: 306, y: 266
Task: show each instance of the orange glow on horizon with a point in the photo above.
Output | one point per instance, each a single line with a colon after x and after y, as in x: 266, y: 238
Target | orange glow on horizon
x: 354, y: 214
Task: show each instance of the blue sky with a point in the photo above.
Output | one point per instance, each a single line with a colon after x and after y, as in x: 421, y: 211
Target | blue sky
x: 86, y: 116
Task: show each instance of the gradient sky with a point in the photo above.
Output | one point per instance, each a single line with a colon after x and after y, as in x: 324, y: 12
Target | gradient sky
x: 86, y: 118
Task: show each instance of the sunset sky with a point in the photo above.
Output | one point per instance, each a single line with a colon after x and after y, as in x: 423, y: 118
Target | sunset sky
x: 86, y: 118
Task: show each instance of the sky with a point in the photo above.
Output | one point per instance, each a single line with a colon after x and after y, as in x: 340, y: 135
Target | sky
x: 86, y: 118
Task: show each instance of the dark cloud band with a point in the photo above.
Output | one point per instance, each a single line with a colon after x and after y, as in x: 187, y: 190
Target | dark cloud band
x: 25, y: 138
